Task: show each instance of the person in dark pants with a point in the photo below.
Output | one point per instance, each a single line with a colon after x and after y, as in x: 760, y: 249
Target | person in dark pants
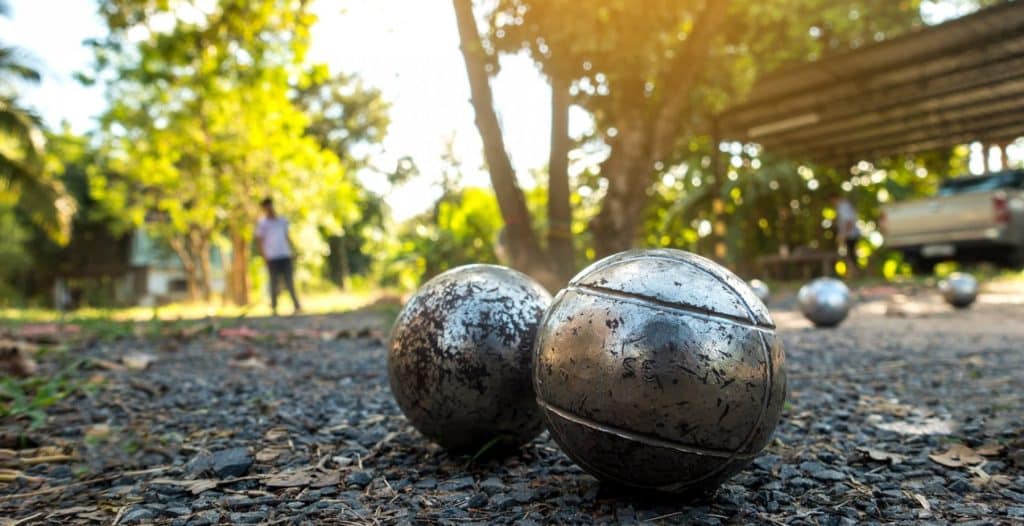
x: 847, y: 232
x: 276, y: 248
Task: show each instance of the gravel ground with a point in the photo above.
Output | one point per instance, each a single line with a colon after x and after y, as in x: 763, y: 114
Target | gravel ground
x: 908, y: 413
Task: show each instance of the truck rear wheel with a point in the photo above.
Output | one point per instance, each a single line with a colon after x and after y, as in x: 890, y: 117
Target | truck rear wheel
x: 1016, y: 259
x: 922, y: 266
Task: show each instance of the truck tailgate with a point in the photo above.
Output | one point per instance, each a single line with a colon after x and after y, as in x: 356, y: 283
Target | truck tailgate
x: 940, y: 219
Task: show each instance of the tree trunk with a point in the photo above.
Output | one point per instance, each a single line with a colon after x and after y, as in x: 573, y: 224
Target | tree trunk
x: 628, y: 172
x: 677, y: 83
x: 239, y: 275
x: 207, y: 268
x: 181, y: 249
x: 644, y: 141
x: 343, y: 262
x: 560, y: 246
x: 524, y: 249
x: 199, y: 248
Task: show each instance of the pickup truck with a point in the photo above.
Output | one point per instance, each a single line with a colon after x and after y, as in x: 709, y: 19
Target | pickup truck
x: 973, y: 218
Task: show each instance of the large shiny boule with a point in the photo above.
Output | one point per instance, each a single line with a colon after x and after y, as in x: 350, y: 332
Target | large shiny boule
x: 959, y: 289
x: 459, y: 361
x: 825, y: 301
x: 760, y: 289
x: 659, y: 370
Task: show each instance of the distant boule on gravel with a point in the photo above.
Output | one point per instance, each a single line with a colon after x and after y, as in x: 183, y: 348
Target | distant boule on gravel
x: 460, y: 355
x: 659, y: 370
x: 760, y: 289
x: 825, y: 301
x: 959, y: 289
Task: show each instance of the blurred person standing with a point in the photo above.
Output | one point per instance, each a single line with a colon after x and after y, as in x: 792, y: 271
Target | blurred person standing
x: 847, y: 232
x: 276, y: 249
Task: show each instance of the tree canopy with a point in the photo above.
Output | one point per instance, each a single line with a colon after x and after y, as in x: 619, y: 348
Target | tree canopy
x: 652, y: 78
x: 25, y: 169
x: 213, y: 111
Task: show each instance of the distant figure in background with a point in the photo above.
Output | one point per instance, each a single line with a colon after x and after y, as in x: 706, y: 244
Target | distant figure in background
x: 847, y: 232
x: 276, y: 248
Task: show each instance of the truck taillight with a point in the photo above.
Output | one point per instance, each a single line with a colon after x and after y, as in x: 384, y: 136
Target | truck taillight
x: 1002, y: 209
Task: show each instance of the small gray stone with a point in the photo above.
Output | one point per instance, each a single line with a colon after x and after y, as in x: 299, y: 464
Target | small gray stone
x: 427, y: 483
x: 230, y: 463
x: 829, y: 475
x: 767, y: 462
x: 788, y: 472
x: 477, y: 501
x: 253, y: 517
x: 138, y: 516
x: 458, y: 484
x: 359, y: 479
x: 177, y: 511
x: 960, y: 486
x: 492, y: 485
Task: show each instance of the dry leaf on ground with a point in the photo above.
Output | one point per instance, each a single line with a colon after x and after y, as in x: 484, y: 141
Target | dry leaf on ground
x: 268, y: 454
x: 138, y: 361
x: 925, y: 426
x: 303, y: 477
x: 991, y: 450
x: 194, y: 487
x: 239, y: 332
x: 15, y: 358
x: 250, y: 363
x: 882, y: 456
x: 957, y: 456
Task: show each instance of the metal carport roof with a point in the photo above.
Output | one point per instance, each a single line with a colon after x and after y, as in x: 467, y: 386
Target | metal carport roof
x: 941, y: 86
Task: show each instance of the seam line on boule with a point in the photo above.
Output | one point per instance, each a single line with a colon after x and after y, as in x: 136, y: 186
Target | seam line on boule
x: 642, y: 438
x: 575, y: 282
x: 637, y: 299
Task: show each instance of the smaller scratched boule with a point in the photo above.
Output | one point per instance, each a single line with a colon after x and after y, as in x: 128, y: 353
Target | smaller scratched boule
x: 659, y: 370
x: 459, y: 358
x: 760, y: 289
x: 959, y: 289
x: 825, y: 301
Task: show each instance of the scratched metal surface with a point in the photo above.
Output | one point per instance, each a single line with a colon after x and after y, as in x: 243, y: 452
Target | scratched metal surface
x: 825, y: 301
x: 661, y: 370
x: 959, y: 289
x: 460, y: 355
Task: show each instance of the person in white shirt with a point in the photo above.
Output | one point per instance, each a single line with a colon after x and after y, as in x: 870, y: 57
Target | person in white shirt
x: 847, y: 231
x: 275, y: 247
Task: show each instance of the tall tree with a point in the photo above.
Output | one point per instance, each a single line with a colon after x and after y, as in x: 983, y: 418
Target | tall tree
x: 653, y: 76
x: 202, y: 126
x: 23, y: 166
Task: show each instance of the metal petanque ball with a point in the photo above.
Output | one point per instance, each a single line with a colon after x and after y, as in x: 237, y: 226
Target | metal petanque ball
x: 760, y: 289
x: 825, y: 301
x: 659, y: 370
x: 959, y: 289
x: 459, y: 361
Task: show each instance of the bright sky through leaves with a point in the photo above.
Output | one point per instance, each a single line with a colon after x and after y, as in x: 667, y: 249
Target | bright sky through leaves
x: 407, y: 48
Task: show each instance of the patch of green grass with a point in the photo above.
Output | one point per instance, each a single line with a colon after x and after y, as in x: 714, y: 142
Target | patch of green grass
x: 31, y: 397
x: 131, y: 446
x: 112, y: 321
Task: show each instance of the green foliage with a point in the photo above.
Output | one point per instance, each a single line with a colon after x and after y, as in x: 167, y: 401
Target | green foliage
x: 770, y: 205
x: 462, y: 228
x: 619, y: 59
x: 618, y: 56
x: 204, y: 122
x: 24, y: 168
x: 31, y: 397
x: 13, y: 253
